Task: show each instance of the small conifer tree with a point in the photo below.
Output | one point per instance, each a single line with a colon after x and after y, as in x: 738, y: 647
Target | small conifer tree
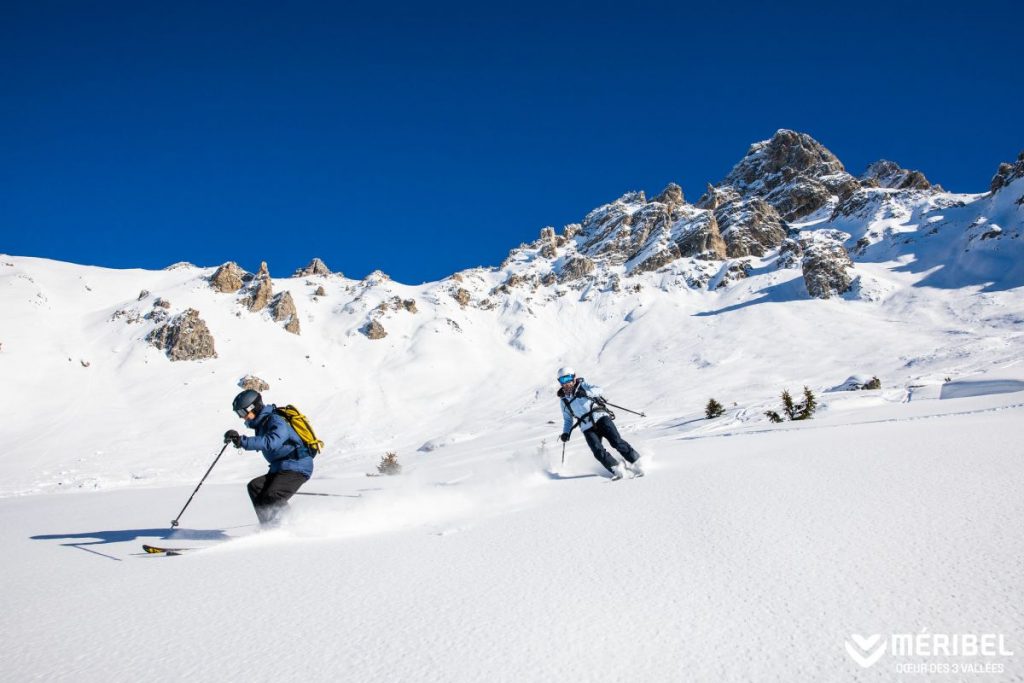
x: 788, y: 406
x: 389, y: 464
x: 713, y: 409
x: 807, y: 408
x: 772, y: 416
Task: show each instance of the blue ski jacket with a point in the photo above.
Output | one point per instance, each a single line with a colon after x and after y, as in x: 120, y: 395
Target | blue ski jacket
x: 581, y: 405
x: 279, y: 443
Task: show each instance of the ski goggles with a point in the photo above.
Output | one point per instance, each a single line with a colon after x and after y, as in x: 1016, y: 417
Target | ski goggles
x: 243, y: 412
x: 565, y: 379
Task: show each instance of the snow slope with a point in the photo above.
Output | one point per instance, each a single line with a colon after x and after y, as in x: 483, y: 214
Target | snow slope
x: 751, y: 551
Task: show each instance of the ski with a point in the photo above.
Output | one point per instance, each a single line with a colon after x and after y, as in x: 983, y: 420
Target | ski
x: 156, y: 550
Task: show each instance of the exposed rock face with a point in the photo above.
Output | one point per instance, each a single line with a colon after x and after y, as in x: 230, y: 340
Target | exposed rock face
x: 1007, y: 173
x: 253, y: 382
x: 283, y: 309
x: 577, y: 268
x: 750, y: 227
x: 733, y: 272
x: 410, y: 305
x: 889, y: 174
x: 320, y: 291
x: 549, y: 243
x: 791, y: 254
x: 825, y: 263
x: 717, y: 196
x: 374, y: 330
x: 671, y: 196
x: 184, y: 337
x: 261, y: 290
x: 644, y: 235
x: 228, y: 278
x: 159, y: 312
x: 620, y: 231
x: 315, y: 267
x: 698, y: 235
x: 462, y: 296
x: 793, y: 172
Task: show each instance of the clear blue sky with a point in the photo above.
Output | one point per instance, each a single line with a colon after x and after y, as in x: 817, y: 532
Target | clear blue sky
x: 429, y: 137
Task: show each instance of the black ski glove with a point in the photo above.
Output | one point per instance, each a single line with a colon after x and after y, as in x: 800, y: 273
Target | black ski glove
x: 564, y: 437
x: 231, y: 436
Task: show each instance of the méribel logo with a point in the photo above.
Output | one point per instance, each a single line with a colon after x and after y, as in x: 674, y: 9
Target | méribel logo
x: 866, y: 651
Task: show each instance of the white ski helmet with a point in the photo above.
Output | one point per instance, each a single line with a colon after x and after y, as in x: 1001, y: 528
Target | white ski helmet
x: 566, y: 371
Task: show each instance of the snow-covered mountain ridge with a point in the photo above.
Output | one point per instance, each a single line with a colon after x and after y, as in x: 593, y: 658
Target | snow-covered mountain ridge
x: 668, y: 302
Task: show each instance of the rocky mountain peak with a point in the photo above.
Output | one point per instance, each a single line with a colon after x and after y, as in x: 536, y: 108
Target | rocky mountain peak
x: 672, y: 196
x: 786, y: 155
x: 889, y: 174
x: 1007, y: 173
x: 793, y: 172
x: 314, y: 267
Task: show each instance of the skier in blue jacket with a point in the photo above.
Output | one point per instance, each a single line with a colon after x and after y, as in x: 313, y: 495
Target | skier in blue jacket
x: 583, y: 405
x: 291, y: 462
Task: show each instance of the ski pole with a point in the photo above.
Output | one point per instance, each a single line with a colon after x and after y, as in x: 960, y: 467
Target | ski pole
x: 626, y: 409
x: 174, y: 522
x: 577, y: 424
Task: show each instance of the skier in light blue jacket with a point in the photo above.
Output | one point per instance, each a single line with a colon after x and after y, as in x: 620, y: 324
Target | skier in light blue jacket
x: 583, y: 406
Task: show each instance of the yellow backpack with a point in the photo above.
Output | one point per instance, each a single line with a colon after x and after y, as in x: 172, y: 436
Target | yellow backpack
x: 300, y: 423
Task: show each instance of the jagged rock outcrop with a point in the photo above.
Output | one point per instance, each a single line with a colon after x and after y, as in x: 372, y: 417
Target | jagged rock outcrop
x: 672, y: 196
x: 642, y: 234
x: 184, y: 337
x: 1007, y: 173
x: 314, y: 267
x: 549, y: 243
x: 694, y: 234
x: 620, y: 231
x: 410, y: 305
x: 697, y: 235
x: 576, y: 268
x: 793, y: 172
x: 374, y: 330
x: 750, y: 227
x: 732, y: 272
x: 888, y: 174
x: 228, y: 278
x: 825, y: 263
x: 261, y: 290
x: 462, y: 296
x: 320, y: 291
x: 282, y: 308
x: 791, y: 254
x: 253, y: 382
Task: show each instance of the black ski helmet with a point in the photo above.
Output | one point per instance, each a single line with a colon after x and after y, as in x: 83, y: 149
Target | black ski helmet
x: 246, y: 402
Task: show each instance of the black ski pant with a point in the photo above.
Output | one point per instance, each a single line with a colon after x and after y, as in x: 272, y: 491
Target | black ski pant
x: 270, y: 494
x: 605, y: 428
